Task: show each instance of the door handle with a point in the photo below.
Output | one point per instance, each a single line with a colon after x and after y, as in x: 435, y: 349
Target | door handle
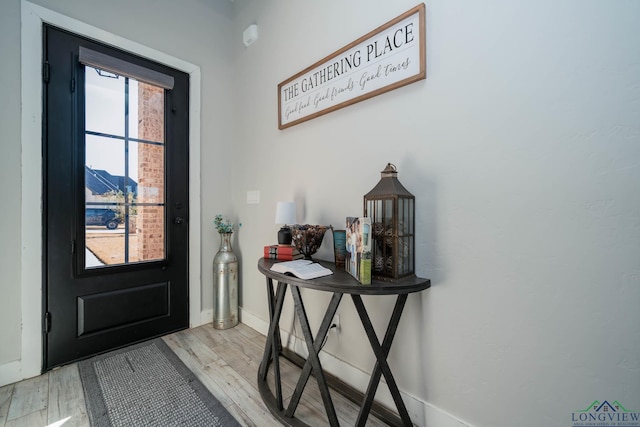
x: 179, y: 220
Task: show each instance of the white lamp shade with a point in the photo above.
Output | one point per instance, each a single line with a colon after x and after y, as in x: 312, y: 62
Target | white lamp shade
x: 285, y: 213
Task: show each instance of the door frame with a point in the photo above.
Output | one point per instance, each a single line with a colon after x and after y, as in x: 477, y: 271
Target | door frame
x: 33, y: 16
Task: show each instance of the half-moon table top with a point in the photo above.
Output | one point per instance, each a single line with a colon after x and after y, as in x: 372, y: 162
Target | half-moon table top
x: 343, y: 282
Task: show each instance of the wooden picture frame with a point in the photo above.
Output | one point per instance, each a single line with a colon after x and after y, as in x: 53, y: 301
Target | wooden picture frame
x: 391, y: 56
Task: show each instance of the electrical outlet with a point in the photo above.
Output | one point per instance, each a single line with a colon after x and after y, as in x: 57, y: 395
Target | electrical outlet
x: 335, y: 324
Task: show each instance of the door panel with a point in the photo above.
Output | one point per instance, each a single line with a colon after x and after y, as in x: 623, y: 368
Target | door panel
x: 138, y: 304
x: 116, y: 179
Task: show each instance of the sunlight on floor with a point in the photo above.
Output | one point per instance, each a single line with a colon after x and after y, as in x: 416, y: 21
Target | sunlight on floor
x: 59, y: 423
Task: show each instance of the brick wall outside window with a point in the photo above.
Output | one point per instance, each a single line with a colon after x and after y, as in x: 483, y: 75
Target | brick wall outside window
x: 150, y: 220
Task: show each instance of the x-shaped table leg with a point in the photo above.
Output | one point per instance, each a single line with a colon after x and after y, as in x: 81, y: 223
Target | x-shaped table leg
x: 273, y: 344
x: 381, y: 367
x: 313, y: 362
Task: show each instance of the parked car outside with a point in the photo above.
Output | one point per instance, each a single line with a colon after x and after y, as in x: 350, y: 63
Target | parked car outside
x: 99, y: 216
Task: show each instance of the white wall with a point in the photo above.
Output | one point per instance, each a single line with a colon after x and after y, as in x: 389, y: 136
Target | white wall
x: 522, y: 150
x: 10, y: 184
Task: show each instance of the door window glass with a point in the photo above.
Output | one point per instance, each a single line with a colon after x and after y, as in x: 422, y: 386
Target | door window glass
x: 124, y: 170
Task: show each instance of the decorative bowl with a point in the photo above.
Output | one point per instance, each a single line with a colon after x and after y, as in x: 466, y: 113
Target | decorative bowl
x: 307, y: 238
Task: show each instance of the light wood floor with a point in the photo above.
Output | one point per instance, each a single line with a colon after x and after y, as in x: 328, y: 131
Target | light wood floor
x: 225, y: 361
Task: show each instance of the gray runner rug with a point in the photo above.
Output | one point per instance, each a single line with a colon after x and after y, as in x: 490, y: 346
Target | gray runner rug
x: 147, y: 385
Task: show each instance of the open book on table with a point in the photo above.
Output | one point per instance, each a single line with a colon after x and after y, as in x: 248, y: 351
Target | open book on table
x: 302, y: 268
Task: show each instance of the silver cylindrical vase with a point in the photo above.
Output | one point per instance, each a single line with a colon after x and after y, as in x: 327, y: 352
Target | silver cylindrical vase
x: 225, y: 285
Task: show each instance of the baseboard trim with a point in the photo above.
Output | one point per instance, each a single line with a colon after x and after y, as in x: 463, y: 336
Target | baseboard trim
x: 10, y: 373
x: 206, y: 317
x: 422, y: 413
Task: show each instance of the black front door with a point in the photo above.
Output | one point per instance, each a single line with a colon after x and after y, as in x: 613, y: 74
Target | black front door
x: 115, y: 198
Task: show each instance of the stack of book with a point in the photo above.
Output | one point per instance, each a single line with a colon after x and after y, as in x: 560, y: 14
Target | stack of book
x: 282, y: 252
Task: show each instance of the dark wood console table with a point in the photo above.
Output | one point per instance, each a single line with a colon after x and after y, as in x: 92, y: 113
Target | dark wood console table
x: 339, y: 283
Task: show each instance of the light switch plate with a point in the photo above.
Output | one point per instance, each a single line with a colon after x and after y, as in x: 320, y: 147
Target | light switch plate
x: 253, y: 197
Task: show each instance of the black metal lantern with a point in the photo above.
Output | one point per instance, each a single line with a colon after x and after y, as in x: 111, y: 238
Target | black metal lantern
x: 392, y: 211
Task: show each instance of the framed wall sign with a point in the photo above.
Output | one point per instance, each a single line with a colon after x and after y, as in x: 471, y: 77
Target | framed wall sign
x: 391, y: 56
